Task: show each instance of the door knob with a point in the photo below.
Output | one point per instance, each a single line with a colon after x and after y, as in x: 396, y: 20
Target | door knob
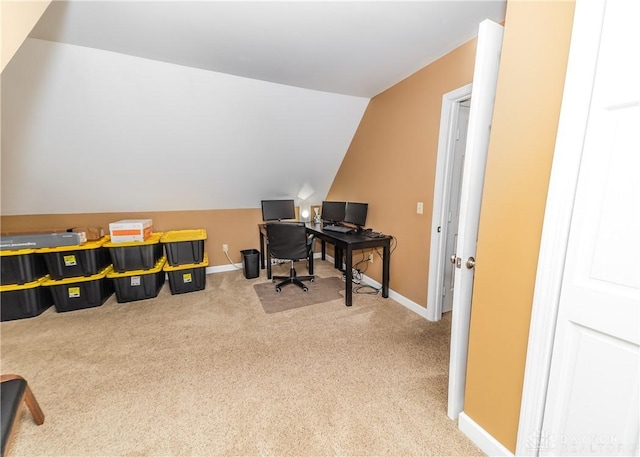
x: 453, y: 259
x: 471, y: 262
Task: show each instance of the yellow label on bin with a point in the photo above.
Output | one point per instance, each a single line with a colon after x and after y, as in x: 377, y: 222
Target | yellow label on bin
x: 186, y: 278
x: 70, y: 260
x: 74, y: 292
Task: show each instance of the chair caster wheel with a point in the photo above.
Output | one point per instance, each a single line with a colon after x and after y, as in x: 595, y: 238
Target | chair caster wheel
x: 305, y: 289
x: 311, y: 280
x: 278, y: 289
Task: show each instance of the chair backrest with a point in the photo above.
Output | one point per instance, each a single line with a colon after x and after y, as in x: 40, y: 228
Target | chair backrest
x: 287, y: 240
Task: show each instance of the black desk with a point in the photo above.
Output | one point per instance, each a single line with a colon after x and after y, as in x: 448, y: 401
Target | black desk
x: 343, y: 243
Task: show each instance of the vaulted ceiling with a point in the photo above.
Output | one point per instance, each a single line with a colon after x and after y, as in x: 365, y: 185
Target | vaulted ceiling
x: 205, y: 104
x: 355, y: 48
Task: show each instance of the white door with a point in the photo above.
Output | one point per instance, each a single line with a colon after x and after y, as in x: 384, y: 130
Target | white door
x: 485, y: 78
x: 453, y: 212
x: 592, y: 405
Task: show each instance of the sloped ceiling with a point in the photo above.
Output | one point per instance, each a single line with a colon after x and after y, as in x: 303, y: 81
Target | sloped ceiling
x: 355, y: 48
x: 115, y: 106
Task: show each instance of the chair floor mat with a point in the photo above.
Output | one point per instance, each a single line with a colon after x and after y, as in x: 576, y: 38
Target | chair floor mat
x: 291, y: 297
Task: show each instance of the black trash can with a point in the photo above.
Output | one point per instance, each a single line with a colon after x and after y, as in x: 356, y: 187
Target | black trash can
x: 251, y: 263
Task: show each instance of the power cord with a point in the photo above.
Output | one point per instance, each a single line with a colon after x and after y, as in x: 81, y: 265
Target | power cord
x: 374, y: 290
x: 231, y: 262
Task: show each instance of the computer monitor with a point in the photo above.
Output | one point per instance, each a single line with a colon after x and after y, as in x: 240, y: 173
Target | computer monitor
x: 356, y: 214
x: 333, y: 212
x: 277, y: 210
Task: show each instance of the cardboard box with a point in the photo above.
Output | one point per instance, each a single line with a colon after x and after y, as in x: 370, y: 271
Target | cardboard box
x: 92, y: 233
x: 129, y: 230
x: 42, y: 240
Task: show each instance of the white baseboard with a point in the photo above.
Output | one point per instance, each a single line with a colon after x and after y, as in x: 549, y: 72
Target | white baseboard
x: 221, y: 268
x: 481, y: 438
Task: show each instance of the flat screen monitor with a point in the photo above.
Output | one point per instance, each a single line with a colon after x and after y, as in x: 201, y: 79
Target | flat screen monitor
x: 277, y: 210
x: 356, y: 214
x: 333, y: 212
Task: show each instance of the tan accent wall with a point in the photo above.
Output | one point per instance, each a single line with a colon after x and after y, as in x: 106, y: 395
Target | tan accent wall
x: 238, y: 228
x: 391, y: 165
x: 525, y: 120
x: 17, y: 18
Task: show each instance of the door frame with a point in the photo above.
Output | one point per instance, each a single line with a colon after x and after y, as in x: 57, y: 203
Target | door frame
x: 565, y: 168
x: 446, y: 143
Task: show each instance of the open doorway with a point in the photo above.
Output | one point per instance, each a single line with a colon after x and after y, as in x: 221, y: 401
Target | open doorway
x: 446, y: 203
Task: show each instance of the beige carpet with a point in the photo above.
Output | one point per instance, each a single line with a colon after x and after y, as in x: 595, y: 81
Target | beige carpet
x: 209, y: 373
x: 321, y: 290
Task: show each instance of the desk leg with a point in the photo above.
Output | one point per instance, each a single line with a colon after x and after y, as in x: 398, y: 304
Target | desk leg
x: 261, y: 249
x: 323, y: 246
x: 386, y: 259
x: 349, y: 276
x: 337, y: 257
x: 268, y: 262
x: 310, y: 263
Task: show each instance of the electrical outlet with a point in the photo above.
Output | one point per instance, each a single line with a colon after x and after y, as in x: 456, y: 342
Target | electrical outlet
x: 371, y: 257
x: 225, y: 248
x: 420, y: 208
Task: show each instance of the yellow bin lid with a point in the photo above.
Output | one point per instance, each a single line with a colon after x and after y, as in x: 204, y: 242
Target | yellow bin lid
x: 88, y: 245
x: 153, y: 239
x: 17, y: 252
x: 156, y: 269
x: 186, y: 266
x: 59, y: 282
x: 28, y: 285
x: 175, y: 236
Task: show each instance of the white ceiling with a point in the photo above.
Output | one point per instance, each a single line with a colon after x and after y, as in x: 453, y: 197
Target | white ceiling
x: 358, y: 48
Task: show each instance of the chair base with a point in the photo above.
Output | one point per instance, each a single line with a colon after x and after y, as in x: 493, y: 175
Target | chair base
x: 292, y: 279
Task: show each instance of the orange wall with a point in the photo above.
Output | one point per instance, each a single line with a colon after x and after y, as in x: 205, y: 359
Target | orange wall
x: 391, y: 165
x: 525, y: 120
x: 237, y: 228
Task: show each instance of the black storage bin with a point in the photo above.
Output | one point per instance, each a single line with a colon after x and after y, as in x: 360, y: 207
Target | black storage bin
x: 187, y: 278
x: 184, y: 246
x: 21, y: 266
x: 138, y: 284
x: 135, y: 255
x: 251, y: 263
x: 71, y: 294
x: 87, y: 259
x: 19, y: 301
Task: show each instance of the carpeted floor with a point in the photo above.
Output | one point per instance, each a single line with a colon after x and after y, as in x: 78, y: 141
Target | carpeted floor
x: 210, y: 373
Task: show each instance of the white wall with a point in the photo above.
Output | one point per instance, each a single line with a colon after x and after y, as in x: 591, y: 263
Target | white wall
x: 85, y: 130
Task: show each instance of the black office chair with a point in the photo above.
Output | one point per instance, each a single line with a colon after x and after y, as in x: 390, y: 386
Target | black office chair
x: 289, y: 241
x: 14, y: 390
